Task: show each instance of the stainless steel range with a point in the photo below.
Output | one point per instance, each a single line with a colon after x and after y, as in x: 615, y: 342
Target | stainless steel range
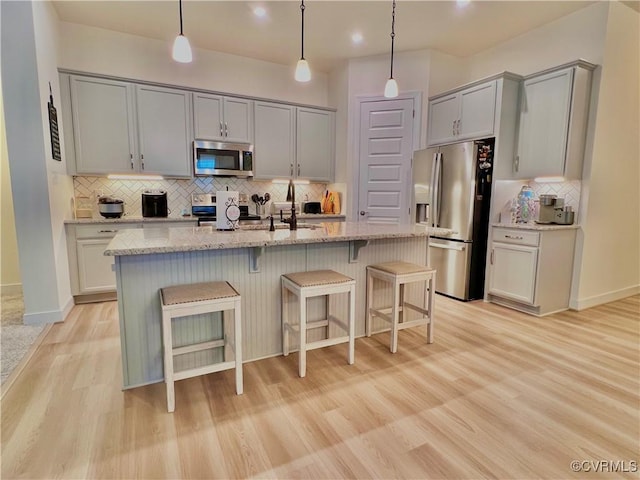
x: 203, y: 206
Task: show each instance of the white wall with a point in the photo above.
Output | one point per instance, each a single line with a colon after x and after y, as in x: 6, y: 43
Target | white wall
x: 60, y: 184
x: 578, y: 35
x: 446, y: 72
x: 97, y: 50
x: 366, y: 78
x: 9, y: 267
x: 27, y: 160
x: 610, y: 261
x: 605, y: 33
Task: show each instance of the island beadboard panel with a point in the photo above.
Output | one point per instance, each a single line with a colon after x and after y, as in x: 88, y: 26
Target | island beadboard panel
x: 141, y: 276
x: 179, y: 191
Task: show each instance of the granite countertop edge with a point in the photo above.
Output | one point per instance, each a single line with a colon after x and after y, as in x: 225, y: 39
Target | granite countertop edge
x: 536, y: 226
x: 192, y: 239
x: 188, y: 218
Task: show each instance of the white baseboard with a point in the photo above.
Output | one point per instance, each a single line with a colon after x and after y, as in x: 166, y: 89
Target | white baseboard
x: 54, y: 316
x: 11, y: 288
x: 596, y: 300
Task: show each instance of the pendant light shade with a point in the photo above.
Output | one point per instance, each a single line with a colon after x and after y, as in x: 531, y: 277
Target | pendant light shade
x: 391, y: 88
x: 303, y: 73
x: 182, y: 50
x: 181, y: 46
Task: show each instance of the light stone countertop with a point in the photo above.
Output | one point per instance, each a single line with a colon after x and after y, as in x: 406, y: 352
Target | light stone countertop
x: 536, y: 226
x: 128, y: 219
x: 98, y: 219
x: 189, y: 239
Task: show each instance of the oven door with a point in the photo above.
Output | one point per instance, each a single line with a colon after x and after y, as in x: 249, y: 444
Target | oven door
x: 224, y: 159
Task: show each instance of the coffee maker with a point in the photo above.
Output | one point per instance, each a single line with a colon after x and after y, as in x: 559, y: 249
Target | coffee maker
x: 553, y: 210
x: 154, y: 203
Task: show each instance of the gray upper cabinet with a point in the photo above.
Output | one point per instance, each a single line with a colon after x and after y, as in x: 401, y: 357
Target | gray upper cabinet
x: 274, y: 146
x: 121, y: 127
x: 295, y: 142
x: 314, y: 144
x: 163, y: 130
x: 553, y: 121
x: 222, y: 118
x: 463, y: 114
x: 103, y: 125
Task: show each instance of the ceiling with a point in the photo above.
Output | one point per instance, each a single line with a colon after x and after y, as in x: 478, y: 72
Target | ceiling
x: 456, y: 28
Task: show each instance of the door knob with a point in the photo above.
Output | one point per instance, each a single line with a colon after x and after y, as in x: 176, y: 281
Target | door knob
x: 362, y: 212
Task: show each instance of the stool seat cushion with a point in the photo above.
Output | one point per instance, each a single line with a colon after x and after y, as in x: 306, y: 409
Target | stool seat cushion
x: 317, y: 277
x: 197, y: 292
x: 401, y: 268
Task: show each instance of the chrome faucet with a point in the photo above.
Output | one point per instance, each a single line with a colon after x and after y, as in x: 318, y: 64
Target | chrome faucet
x: 291, y: 194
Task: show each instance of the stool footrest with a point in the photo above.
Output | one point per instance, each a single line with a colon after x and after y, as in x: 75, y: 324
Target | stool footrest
x: 403, y: 325
x: 194, y: 372
x: 327, y: 342
x: 196, y: 347
x: 416, y: 308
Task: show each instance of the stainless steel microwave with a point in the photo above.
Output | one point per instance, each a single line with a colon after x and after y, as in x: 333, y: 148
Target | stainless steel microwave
x: 223, y: 159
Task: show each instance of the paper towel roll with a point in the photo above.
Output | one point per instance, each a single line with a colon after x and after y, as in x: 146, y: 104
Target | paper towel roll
x: 227, y: 210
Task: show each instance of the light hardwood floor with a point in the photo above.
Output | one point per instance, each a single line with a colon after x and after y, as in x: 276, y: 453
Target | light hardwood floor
x: 498, y: 394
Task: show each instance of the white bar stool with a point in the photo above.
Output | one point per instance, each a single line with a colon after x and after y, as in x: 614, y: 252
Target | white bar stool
x: 195, y: 299
x: 314, y: 284
x: 399, y: 274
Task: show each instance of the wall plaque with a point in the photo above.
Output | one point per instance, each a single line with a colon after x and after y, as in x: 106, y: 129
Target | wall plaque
x: 53, y: 128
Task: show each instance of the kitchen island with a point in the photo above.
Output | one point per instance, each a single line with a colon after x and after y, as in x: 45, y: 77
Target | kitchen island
x: 252, y: 261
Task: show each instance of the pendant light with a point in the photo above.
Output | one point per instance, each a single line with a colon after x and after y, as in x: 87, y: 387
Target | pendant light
x: 181, y: 47
x: 391, y: 88
x: 303, y: 74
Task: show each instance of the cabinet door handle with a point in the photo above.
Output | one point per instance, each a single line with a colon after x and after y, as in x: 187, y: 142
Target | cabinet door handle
x: 221, y: 129
x: 458, y: 127
x: 298, y: 169
x: 107, y: 231
x: 131, y: 158
x: 291, y: 170
x: 453, y: 128
x: 491, y: 261
x: 516, y: 163
x: 226, y: 130
x: 514, y: 237
x: 142, y: 160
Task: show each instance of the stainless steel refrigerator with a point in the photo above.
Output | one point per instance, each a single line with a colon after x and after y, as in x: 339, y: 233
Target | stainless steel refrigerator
x: 456, y: 182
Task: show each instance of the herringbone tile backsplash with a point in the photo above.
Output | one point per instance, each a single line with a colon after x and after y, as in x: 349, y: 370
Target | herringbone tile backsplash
x: 179, y: 191
x: 569, y: 190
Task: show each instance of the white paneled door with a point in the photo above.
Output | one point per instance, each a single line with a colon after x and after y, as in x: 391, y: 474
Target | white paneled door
x: 386, y: 147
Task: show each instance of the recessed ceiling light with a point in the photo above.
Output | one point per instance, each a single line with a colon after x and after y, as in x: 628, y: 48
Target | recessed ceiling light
x: 260, y: 12
x: 356, y: 38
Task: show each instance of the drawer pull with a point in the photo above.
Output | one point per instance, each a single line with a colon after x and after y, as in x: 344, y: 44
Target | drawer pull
x: 514, y: 237
x: 107, y: 231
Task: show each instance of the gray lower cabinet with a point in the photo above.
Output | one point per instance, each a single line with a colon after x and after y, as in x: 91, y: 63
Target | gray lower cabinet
x: 122, y: 127
x: 531, y: 270
x: 91, y: 272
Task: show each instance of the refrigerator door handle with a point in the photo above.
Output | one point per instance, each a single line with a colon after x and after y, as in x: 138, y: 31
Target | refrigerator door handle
x: 459, y: 248
x: 438, y: 189
x: 432, y: 188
